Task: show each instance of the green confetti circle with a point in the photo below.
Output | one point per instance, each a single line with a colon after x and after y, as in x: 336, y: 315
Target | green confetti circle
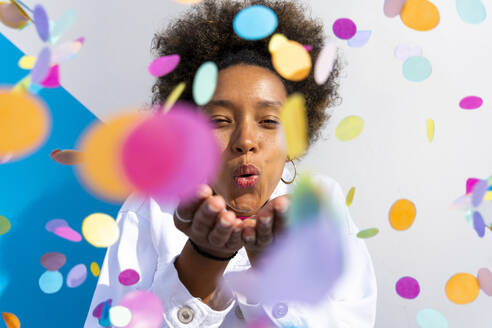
x: 4, y: 225
x: 368, y: 233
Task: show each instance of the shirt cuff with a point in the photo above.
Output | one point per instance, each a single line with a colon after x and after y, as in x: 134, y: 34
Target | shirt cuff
x: 181, y: 309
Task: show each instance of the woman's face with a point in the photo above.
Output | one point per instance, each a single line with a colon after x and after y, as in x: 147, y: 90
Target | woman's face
x: 246, y: 112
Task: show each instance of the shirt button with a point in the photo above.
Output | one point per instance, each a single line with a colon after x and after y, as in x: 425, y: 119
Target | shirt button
x: 280, y: 310
x: 185, y: 314
x: 239, y: 313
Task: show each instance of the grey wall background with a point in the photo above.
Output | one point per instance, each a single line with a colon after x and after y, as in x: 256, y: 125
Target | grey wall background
x: 391, y: 159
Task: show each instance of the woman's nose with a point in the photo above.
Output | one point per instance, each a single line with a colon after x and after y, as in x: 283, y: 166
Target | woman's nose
x: 245, y: 140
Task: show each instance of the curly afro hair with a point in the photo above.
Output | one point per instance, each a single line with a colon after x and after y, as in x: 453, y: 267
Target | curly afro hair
x: 205, y: 33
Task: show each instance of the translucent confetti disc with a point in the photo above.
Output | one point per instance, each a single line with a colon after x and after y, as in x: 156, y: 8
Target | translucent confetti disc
x: 403, y: 51
x: 417, y: 69
x: 255, y: 22
x: 349, y: 128
x: 471, y: 11
x: 120, y: 316
x: 324, y: 63
x: 52, y: 225
x: 27, y: 62
x: 146, y: 309
x: 42, y: 22
x: 293, y: 117
x: 471, y: 102
x: 392, y: 8
x: 462, y: 288
x: 100, y: 230
x: 128, y: 277
x: 479, y: 191
x: 292, y: 61
x: 402, y: 214
x: 204, y: 83
x: 67, y: 233
x: 53, y: 261
x: 12, y: 16
x: 24, y: 123
x: 359, y: 39
x: 163, y: 65
x: 420, y: 15
x: 101, y: 145
x: 66, y: 157
x: 95, y: 269
x: 344, y: 28
x: 77, y: 275
x: 50, y: 282
x: 66, y: 51
x: 350, y: 196
x: 276, y: 41
x: 485, y: 280
x: 368, y: 233
x: 430, y: 129
x: 407, y: 287
x: 62, y: 25
x: 42, y: 66
x: 478, y: 224
x: 11, y: 320
x: 4, y: 225
x: 430, y: 318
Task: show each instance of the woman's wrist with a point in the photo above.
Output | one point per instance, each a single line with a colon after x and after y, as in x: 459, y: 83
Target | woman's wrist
x: 212, y: 254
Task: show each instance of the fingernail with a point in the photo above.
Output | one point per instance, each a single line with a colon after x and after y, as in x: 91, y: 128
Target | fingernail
x: 266, y: 219
x: 202, y: 191
x: 284, y: 206
x: 249, y: 239
x: 212, y: 208
x: 225, y: 223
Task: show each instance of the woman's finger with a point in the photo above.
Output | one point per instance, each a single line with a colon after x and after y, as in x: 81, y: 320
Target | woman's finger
x: 281, y: 206
x: 222, y: 229
x: 235, y: 239
x: 249, y: 232
x: 264, y: 230
x: 186, y: 210
x: 205, y: 217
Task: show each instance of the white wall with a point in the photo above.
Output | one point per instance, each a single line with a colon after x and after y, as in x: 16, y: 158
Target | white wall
x: 391, y: 159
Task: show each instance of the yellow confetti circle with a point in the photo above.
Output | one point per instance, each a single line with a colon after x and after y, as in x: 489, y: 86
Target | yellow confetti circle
x: 430, y: 129
x: 402, y: 214
x: 24, y: 123
x: 420, y: 15
x: 349, y: 128
x: 350, y: 196
x: 276, y: 41
x: 100, y: 230
x: 101, y: 170
x: 462, y: 288
x: 293, y: 117
x: 27, y: 62
x: 292, y: 61
x: 95, y: 269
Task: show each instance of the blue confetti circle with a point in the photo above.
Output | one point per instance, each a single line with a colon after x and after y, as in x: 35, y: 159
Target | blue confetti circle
x: 417, y: 68
x: 255, y: 22
x: 50, y: 282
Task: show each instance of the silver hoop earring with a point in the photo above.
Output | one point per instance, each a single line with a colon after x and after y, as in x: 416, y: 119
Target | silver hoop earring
x: 295, y: 174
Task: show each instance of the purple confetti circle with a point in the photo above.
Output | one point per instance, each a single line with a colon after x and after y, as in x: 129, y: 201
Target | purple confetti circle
x: 471, y: 102
x: 42, y: 22
x: 53, y: 261
x: 42, y: 66
x: 407, y: 287
x: 479, y: 224
x: 77, y: 275
x: 99, y: 308
x: 344, y: 28
x: 128, y: 277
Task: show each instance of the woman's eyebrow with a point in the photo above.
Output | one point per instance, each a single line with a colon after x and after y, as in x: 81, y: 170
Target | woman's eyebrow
x: 269, y: 103
x: 220, y: 103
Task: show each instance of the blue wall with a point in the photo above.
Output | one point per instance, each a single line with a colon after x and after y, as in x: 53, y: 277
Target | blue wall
x: 33, y: 191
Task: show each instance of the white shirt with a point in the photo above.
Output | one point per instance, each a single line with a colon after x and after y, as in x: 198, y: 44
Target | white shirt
x: 149, y: 243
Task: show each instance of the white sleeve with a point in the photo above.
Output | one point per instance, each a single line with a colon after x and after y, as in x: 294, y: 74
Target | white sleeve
x: 134, y: 250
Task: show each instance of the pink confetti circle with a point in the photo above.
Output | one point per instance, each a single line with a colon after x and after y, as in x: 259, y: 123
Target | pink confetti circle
x: 52, y: 80
x: 407, y: 287
x: 164, y: 65
x: 344, y: 28
x: 68, y: 234
x: 146, y: 309
x: 471, y: 102
x: 128, y: 277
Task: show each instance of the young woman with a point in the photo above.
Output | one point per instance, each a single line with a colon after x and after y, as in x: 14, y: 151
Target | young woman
x: 181, y: 251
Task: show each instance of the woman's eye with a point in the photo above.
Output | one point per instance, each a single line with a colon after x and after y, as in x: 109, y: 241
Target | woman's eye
x: 270, y: 122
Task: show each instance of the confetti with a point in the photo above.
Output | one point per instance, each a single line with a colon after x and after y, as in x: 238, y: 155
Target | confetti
x: 11, y: 320
x: 66, y: 157
x: 462, y: 288
x: 471, y: 102
x: 42, y: 22
x: 292, y: 61
x: 392, y: 8
x: 485, y: 280
x: 368, y: 233
x: 349, y: 128
x: 27, y: 62
x: 52, y: 225
x: 42, y: 66
x: 359, y: 39
x: 350, y: 196
x: 101, y: 171
x: 420, y: 15
x: 204, y: 83
x: 12, y: 16
x: 344, y: 28
x: 62, y: 25
x: 430, y: 318
x: 163, y: 65
x: 478, y: 224
x: 471, y: 11
x: 402, y: 214
x: 120, y: 316
x: 53, y: 261
x: 165, y: 167
x: 100, y: 230
x: 50, y: 282
x: 407, y: 287
x: 188, y: 1
x: 293, y: 117
x: 95, y: 269
x: 276, y: 41
x: 77, y: 276
x: 97, y: 313
x: 4, y: 225
x: 406, y: 50
x: 18, y: 110
x: 470, y: 184
x: 68, y: 234
x: 324, y: 63
x: 417, y: 69
x: 430, y: 129
x: 128, y: 277
x: 255, y: 22
x: 174, y: 96
x: 146, y: 309
x: 52, y: 79
x: 104, y: 319
x: 479, y: 190
x: 67, y: 51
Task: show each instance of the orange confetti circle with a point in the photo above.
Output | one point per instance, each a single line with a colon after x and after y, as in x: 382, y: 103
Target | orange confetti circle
x: 101, y: 145
x: 420, y: 15
x: 11, y: 320
x: 402, y: 214
x: 24, y: 123
x: 462, y: 288
x: 292, y: 61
